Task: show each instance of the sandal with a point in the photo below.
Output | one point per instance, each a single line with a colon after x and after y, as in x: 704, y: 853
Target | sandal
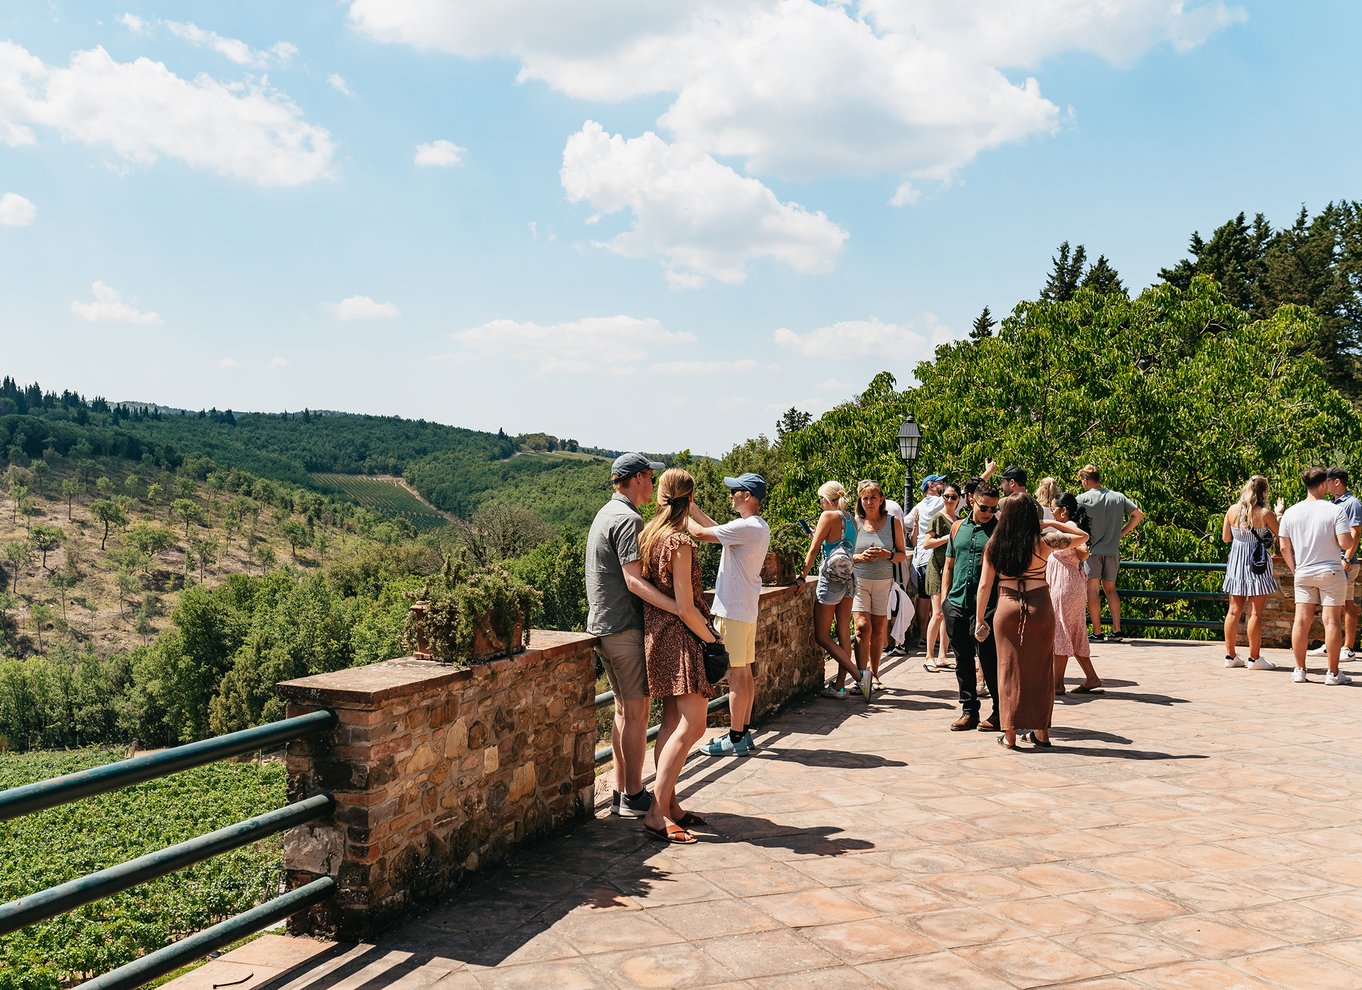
x: 691, y: 820
x: 670, y: 832
x: 1002, y: 741
x: 1084, y: 689
x: 1035, y: 741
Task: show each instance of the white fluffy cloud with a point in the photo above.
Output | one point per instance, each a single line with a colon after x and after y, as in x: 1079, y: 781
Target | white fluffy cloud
x: 363, y: 308
x: 908, y: 88
x: 142, y: 111
x: 337, y: 82
x: 16, y: 211
x: 439, y: 154
x: 855, y: 339
x: 109, y: 306
x: 586, y: 346
x: 698, y: 217
x: 232, y: 49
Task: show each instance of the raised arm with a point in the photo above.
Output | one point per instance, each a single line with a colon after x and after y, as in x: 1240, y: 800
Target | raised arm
x: 701, y: 526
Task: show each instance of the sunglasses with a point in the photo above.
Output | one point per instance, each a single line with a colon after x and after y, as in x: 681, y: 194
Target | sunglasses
x: 950, y: 498
x: 985, y: 508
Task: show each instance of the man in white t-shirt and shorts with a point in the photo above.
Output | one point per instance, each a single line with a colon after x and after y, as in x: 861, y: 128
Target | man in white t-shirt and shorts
x: 737, y: 599
x: 915, y: 532
x: 1316, y: 538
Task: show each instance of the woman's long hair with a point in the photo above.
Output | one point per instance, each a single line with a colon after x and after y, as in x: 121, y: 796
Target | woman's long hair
x: 861, y: 488
x: 674, y: 492
x: 1047, y: 492
x: 834, y: 493
x: 1253, y: 496
x: 1014, y: 541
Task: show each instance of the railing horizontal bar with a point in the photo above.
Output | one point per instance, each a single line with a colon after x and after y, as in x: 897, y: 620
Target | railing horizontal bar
x: 604, y: 698
x: 1174, y: 596
x: 605, y: 752
x: 72, y: 786
x: 1170, y: 565
x: 1173, y: 623
x: 55, y: 900
x: 163, y: 961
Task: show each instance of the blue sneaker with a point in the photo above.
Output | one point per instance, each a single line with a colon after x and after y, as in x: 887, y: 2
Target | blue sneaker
x: 751, y: 743
x: 724, y: 746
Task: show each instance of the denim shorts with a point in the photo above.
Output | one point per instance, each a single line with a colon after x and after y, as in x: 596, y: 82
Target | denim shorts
x: 832, y: 592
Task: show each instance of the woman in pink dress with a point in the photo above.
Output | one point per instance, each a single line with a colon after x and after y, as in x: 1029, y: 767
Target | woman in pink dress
x: 1069, y: 595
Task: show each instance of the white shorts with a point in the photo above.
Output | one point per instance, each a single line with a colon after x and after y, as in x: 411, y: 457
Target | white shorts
x: 740, y: 638
x: 872, y: 596
x: 1329, y: 588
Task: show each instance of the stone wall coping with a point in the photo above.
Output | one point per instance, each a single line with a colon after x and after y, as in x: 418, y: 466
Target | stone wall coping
x: 379, y: 683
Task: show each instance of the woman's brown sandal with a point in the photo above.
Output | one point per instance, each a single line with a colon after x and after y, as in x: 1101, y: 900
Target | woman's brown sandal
x: 670, y: 832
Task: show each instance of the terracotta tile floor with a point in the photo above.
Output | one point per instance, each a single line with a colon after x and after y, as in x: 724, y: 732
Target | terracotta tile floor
x: 1193, y: 827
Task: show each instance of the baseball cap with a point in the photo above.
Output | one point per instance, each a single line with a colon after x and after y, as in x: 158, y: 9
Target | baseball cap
x: 1014, y: 473
x: 628, y: 465
x: 753, y: 484
x: 932, y: 478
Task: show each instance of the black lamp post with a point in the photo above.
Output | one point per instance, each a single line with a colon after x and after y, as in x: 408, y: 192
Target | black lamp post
x: 910, y: 441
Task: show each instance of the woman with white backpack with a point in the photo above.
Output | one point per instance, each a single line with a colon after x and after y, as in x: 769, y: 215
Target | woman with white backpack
x: 834, y: 539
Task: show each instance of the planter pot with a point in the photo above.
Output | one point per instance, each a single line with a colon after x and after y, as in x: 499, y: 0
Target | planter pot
x: 777, y: 570
x: 486, y: 644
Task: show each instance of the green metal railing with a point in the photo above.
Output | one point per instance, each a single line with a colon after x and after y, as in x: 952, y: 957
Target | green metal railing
x: 1174, y: 595
x: 604, y: 754
x: 71, y: 787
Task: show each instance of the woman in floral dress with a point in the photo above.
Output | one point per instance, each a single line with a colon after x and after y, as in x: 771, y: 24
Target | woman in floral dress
x: 672, y: 650
x: 1069, y: 596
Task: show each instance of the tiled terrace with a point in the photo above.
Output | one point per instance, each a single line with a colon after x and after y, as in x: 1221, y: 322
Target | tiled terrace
x: 1193, y: 827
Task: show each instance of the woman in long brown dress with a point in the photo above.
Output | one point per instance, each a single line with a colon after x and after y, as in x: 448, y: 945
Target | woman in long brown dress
x: 1024, y: 623
x: 672, y: 651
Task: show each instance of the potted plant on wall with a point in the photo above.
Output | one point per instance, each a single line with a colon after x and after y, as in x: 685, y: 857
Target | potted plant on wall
x: 470, y: 615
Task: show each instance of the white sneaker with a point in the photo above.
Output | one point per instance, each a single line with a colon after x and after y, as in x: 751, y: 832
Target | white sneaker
x: 1262, y: 663
x: 1235, y: 661
x: 1346, y: 654
x: 1318, y: 651
x: 1298, y: 676
x: 1339, y: 678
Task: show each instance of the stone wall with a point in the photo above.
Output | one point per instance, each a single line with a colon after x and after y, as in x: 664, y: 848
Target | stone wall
x: 436, y: 772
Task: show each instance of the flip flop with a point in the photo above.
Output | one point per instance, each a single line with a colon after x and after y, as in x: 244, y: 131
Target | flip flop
x: 691, y: 820
x: 1035, y: 741
x: 932, y: 668
x: 1002, y: 741
x: 1084, y: 689
x: 670, y: 832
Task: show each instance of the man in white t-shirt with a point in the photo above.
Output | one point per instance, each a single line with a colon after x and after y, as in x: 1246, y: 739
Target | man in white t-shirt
x: 1316, y: 538
x: 915, y: 532
x: 737, y: 598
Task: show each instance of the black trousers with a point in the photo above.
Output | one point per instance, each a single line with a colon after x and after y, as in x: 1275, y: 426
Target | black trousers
x: 960, y: 629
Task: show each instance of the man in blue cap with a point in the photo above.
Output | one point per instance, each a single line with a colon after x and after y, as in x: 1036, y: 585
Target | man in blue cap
x: 737, y: 598
x: 915, y: 529
x: 614, y: 585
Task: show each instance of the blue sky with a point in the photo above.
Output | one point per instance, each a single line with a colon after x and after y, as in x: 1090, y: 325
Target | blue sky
x: 636, y: 225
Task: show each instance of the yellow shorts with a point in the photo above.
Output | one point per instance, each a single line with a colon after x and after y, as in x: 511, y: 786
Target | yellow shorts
x: 740, y: 638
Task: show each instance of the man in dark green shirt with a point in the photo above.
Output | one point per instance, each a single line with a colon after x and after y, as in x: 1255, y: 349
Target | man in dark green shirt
x: 964, y: 562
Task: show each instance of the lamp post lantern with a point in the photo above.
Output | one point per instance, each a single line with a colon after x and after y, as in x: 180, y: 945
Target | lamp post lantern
x: 910, y: 441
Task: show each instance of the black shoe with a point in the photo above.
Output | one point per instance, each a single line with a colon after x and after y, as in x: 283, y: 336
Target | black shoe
x: 1115, y: 636
x: 1096, y: 638
x: 634, y: 807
